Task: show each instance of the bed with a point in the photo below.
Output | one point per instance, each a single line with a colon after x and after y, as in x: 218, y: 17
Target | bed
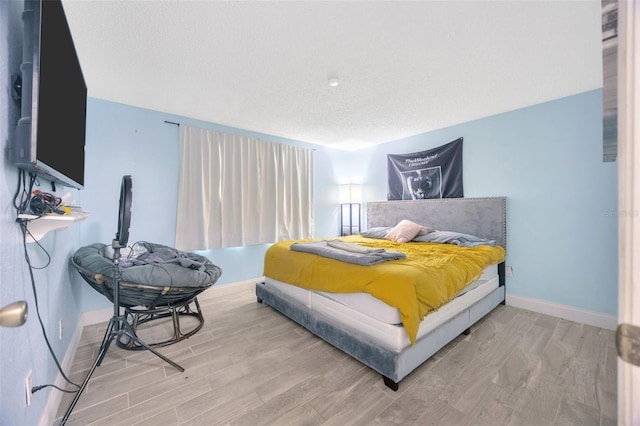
x: 374, y: 332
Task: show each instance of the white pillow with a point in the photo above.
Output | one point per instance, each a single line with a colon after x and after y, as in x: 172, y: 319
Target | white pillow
x: 406, y: 231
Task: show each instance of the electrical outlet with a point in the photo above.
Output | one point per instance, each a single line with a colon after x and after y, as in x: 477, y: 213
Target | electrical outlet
x: 60, y: 328
x: 508, y: 270
x: 28, y: 385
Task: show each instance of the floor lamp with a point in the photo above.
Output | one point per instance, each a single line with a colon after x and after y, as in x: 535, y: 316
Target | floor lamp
x: 350, y: 199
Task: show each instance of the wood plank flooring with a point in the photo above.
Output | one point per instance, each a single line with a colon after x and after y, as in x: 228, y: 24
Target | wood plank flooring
x: 249, y: 365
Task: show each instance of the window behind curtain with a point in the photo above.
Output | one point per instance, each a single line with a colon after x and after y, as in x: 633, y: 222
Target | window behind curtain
x: 236, y: 190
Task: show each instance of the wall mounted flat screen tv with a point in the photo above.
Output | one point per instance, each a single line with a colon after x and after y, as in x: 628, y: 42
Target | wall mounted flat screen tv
x: 50, y: 135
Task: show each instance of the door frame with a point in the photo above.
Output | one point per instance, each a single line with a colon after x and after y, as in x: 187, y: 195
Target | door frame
x: 629, y: 199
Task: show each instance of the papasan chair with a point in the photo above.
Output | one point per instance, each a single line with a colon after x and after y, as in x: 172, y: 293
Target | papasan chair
x: 156, y: 281
x: 149, y: 281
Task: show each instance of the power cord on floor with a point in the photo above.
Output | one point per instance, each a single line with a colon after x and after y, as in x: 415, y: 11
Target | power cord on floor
x: 37, y: 388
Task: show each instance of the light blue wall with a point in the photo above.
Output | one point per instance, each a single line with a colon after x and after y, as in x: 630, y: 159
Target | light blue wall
x: 546, y: 159
x: 23, y: 349
x: 122, y: 139
x: 562, y: 199
x: 562, y: 236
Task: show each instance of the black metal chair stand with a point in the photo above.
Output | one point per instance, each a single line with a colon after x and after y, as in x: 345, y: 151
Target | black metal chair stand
x: 137, y: 316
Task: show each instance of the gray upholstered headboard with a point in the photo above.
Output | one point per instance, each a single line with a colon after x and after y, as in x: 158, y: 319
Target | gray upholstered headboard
x: 483, y: 217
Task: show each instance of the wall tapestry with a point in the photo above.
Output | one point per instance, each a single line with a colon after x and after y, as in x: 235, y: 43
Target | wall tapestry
x: 434, y: 173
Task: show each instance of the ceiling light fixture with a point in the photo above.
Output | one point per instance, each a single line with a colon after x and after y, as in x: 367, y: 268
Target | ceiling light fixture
x: 333, y: 81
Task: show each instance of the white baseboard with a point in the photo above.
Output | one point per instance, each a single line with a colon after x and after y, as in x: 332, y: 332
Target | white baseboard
x: 233, y: 287
x: 55, y: 397
x: 95, y: 317
x: 103, y: 315
x: 570, y: 313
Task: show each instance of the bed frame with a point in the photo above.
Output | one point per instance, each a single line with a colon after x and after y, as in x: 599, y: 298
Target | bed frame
x: 482, y: 217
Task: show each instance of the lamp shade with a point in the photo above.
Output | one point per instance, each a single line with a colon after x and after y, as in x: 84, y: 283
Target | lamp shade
x: 350, y: 193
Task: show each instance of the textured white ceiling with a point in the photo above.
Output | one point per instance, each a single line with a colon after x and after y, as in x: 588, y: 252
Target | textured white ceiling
x: 405, y: 67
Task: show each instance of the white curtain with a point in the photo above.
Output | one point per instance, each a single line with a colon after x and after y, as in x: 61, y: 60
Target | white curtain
x: 236, y: 190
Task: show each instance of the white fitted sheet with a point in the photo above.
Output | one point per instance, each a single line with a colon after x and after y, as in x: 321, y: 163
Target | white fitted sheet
x: 375, y: 308
x: 379, y: 321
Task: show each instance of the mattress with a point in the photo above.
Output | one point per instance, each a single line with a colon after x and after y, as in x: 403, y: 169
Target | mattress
x: 380, y: 322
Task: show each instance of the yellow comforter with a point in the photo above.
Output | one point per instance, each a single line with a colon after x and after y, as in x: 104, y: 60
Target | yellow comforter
x: 430, y: 276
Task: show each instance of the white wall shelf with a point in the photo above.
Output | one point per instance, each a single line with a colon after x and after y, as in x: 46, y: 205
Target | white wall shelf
x: 39, y: 226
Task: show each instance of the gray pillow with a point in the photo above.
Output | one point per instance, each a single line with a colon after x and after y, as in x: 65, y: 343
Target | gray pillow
x: 378, y: 232
x: 451, y: 237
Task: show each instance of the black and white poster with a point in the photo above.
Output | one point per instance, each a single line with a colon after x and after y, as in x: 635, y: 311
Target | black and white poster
x: 434, y: 173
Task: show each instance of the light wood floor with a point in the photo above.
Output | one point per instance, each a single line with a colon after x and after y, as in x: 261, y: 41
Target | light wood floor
x: 249, y: 365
